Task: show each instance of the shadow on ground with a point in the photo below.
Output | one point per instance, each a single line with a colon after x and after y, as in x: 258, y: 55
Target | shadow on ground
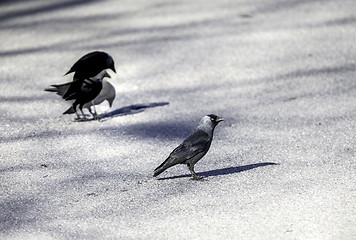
x: 224, y: 171
x: 55, y: 6
x: 128, y: 110
x: 132, y: 109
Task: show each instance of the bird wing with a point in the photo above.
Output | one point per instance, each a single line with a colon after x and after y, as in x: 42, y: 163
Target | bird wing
x: 197, y: 142
x: 194, y: 144
x: 107, y: 93
x: 60, y: 89
x: 81, y: 61
x: 85, y: 89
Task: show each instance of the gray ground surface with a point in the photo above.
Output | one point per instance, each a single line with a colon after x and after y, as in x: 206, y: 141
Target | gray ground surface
x: 282, y: 165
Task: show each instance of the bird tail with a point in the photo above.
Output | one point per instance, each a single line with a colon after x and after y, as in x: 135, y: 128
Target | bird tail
x: 70, y: 71
x: 70, y: 110
x: 73, y: 87
x: 158, y: 171
x: 51, y: 89
x: 59, y: 89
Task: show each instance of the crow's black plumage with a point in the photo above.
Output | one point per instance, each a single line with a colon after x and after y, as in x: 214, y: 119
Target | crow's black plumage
x: 88, y: 91
x: 107, y: 93
x: 86, y: 67
x: 91, y: 65
x: 85, y: 85
x: 194, y: 147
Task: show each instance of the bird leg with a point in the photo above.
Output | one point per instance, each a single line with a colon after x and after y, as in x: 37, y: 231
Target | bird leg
x: 191, y: 169
x: 95, y: 114
x: 81, y: 110
x: 77, y: 115
x: 76, y: 112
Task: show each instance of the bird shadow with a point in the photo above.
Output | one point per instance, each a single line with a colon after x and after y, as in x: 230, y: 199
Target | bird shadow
x: 123, y: 111
x: 224, y: 171
x: 131, y: 109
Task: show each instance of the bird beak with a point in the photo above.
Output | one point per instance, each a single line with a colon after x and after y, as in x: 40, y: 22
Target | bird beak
x: 219, y: 119
x: 113, y: 68
x: 110, y: 102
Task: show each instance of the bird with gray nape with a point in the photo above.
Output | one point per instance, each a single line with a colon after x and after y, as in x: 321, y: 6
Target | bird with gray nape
x: 107, y: 93
x: 87, y: 85
x: 88, y: 66
x: 91, y: 64
x: 193, y: 148
x: 86, y: 94
x: 89, y: 91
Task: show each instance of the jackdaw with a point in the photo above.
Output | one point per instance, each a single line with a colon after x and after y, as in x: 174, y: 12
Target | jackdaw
x: 87, y: 67
x: 91, y: 65
x: 194, y: 147
x: 107, y: 93
x: 88, y: 91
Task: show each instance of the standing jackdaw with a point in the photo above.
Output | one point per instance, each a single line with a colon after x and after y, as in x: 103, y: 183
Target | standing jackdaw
x: 107, y: 93
x: 194, y: 147
x: 86, y: 67
x: 87, y: 92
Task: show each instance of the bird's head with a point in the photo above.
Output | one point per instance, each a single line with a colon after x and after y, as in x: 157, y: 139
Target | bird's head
x: 102, y: 75
x: 108, y: 91
x: 215, y: 119
x: 111, y: 99
x: 106, y: 74
x: 210, y: 121
x: 110, y: 63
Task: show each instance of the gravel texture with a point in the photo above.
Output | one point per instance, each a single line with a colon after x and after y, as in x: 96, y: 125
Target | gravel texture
x: 281, y: 166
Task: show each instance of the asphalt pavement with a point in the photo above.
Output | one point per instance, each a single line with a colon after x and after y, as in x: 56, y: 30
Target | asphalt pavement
x: 281, y: 166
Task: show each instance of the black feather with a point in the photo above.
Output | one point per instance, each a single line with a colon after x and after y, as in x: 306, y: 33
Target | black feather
x: 86, y: 67
x: 91, y: 65
x: 198, y: 142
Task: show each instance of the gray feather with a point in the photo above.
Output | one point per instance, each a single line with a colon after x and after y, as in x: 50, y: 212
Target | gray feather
x: 193, y: 148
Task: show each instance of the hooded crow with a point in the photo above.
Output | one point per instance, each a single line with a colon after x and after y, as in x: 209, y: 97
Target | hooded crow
x: 194, y: 147
x: 87, y: 67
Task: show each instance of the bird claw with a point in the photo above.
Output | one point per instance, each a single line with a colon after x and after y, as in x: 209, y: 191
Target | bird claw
x: 81, y: 119
x: 78, y: 119
x: 96, y: 117
x: 196, y: 178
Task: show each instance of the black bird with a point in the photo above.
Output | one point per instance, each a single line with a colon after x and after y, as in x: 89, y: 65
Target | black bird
x: 193, y: 148
x: 86, y: 67
x: 107, y: 93
x: 88, y: 91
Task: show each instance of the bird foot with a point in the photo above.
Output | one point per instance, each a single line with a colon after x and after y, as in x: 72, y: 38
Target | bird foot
x: 196, y: 178
x: 78, y: 119
x: 81, y: 119
x: 96, y: 117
